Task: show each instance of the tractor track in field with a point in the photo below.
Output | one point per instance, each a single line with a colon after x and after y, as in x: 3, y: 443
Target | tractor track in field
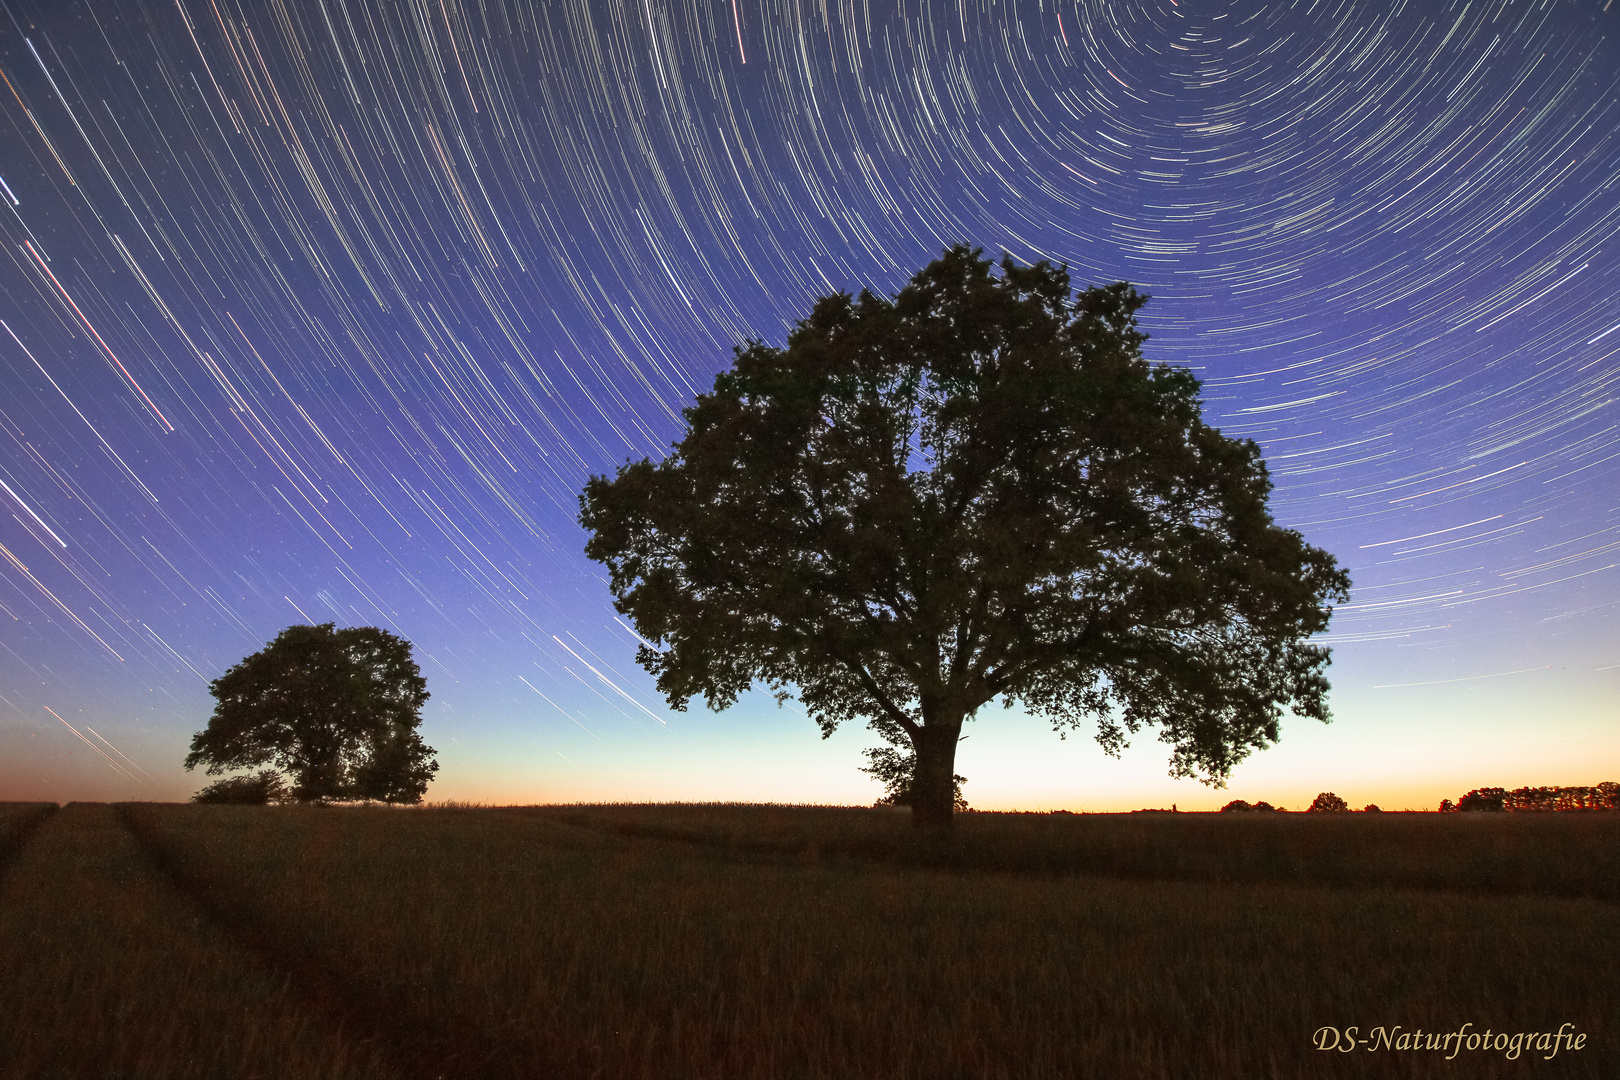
x: 22, y: 832
x: 392, y: 1023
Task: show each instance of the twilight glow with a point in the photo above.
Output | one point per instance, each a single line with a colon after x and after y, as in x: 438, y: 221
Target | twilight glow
x: 324, y: 310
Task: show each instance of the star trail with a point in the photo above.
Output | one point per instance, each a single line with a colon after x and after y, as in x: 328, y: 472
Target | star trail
x: 324, y: 310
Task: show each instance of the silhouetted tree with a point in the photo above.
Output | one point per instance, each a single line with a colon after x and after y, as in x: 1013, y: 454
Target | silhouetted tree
x: 268, y: 786
x: 1372, y: 808
x: 337, y: 709
x: 1328, y: 803
x: 1237, y: 806
x: 978, y: 489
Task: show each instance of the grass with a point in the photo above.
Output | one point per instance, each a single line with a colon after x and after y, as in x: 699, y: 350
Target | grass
x: 709, y: 941
x: 109, y: 972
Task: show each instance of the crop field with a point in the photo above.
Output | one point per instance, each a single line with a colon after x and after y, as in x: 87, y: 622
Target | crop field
x: 154, y: 941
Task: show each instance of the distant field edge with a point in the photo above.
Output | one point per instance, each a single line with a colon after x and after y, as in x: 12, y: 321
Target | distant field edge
x: 1572, y: 855
x: 1556, y: 856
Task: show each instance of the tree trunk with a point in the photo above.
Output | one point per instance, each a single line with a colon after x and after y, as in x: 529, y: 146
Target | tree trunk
x: 933, y: 786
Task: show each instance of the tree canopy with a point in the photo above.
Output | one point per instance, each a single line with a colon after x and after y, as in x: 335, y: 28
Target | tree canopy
x: 337, y: 709
x: 976, y: 489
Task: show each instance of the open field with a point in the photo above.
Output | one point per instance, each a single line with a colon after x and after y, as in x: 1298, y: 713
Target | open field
x: 110, y: 972
x: 700, y: 941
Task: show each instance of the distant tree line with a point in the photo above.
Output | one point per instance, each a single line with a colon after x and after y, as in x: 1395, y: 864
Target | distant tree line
x: 1605, y: 796
x: 1325, y: 803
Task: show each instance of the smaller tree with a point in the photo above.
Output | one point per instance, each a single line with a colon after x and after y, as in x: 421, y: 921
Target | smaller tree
x: 336, y: 709
x: 1328, y: 803
x: 1372, y: 808
x: 267, y: 787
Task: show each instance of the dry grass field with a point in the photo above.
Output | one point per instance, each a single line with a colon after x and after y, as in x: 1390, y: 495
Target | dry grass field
x: 149, y: 940
x: 112, y: 972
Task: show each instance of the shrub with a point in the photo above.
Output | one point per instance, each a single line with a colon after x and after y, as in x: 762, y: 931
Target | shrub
x: 1372, y: 808
x: 1447, y: 806
x: 266, y: 787
x: 1327, y: 803
x: 897, y: 770
x: 1238, y: 806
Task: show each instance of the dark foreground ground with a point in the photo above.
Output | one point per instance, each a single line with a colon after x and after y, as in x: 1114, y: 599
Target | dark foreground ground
x: 157, y: 941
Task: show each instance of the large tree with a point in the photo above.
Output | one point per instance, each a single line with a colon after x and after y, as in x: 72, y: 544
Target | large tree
x: 337, y: 709
x: 977, y: 489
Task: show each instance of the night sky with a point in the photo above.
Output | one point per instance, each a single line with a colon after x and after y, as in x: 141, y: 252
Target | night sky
x: 323, y: 310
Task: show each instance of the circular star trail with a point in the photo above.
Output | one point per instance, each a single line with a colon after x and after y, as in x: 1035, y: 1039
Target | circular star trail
x: 325, y: 310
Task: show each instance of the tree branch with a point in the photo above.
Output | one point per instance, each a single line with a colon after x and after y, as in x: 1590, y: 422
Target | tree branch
x: 890, y: 709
